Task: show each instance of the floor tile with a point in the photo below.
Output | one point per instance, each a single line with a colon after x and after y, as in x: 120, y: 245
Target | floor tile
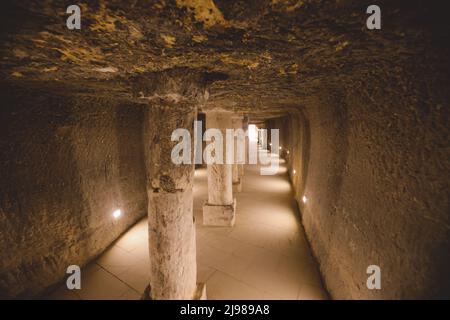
x: 224, y: 287
x: 101, y: 285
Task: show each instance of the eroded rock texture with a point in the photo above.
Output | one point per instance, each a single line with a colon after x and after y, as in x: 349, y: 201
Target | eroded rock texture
x: 374, y: 189
x: 172, y: 241
x: 365, y: 120
x: 67, y: 163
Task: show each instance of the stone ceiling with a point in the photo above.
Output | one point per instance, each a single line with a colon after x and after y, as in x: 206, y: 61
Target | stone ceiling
x: 270, y: 55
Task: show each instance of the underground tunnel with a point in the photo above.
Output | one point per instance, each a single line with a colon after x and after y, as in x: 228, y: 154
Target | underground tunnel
x: 138, y: 140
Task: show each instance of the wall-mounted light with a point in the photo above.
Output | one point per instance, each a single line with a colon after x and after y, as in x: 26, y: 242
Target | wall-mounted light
x: 270, y: 144
x: 279, y: 148
x: 295, y: 171
x: 287, y: 152
x: 304, y: 199
x: 117, y: 213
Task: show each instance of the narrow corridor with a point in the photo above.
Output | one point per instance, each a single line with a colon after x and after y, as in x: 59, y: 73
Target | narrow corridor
x: 125, y: 127
x: 265, y: 255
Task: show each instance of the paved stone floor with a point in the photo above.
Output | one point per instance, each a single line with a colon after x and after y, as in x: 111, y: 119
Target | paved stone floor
x: 264, y: 256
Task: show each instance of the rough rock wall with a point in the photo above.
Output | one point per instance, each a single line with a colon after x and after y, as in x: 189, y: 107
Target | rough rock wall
x: 66, y: 163
x: 374, y: 170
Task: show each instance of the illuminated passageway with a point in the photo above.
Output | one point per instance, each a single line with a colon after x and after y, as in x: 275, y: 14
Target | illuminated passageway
x: 264, y: 256
x: 105, y: 132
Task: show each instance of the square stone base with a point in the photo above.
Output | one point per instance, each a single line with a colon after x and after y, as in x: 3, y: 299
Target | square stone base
x: 200, y: 293
x: 219, y: 215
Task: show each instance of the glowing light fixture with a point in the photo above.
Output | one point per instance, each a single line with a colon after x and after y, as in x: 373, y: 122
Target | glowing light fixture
x: 270, y: 144
x: 287, y: 152
x: 295, y: 171
x: 304, y: 199
x: 279, y: 148
x: 252, y: 132
x: 117, y: 213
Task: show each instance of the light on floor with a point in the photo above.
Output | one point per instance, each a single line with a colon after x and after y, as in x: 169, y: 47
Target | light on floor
x: 304, y: 199
x: 117, y: 213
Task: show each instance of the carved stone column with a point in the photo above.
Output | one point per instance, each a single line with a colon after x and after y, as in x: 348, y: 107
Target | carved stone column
x: 172, y: 242
x: 220, y: 208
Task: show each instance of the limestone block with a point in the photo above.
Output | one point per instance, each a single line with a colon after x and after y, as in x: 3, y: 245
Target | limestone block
x: 219, y: 215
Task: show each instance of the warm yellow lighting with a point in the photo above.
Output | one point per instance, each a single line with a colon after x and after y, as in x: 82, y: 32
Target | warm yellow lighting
x: 252, y: 132
x: 304, y: 199
x: 117, y: 213
x: 287, y: 152
x: 270, y: 144
x: 279, y: 148
x: 295, y: 171
x: 200, y: 173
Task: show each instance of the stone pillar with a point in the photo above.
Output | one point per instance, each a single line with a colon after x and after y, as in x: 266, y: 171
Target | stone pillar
x: 220, y: 208
x: 237, y: 182
x: 172, y: 244
x: 263, y: 138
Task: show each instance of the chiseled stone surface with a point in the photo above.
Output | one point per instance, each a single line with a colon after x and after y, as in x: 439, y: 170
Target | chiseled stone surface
x: 220, y: 185
x: 220, y: 207
x: 67, y: 163
x: 173, y: 267
x: 374, y: 191
x: 220, y: 176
